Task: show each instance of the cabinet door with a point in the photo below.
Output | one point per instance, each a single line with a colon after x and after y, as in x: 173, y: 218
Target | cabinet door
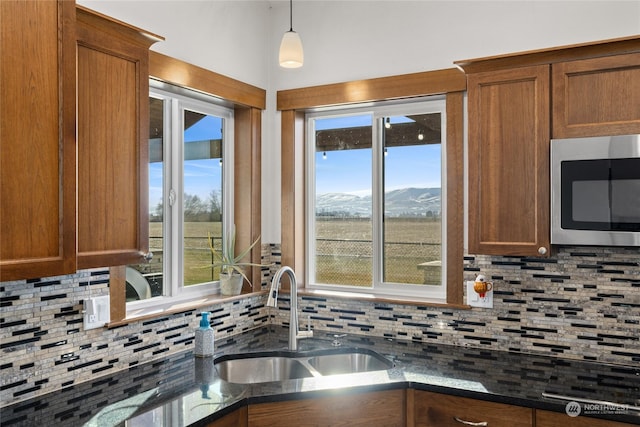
x: 595, y: 97
x: 383, y: 408
x: 237, y: 418
x: 555, y: 419
x: 509, y: 161
x: 113, y: 110
x: 37, y: 139
x: 441, y: 410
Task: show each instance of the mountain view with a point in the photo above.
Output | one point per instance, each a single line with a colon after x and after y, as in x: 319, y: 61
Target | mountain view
x: 405, y: 202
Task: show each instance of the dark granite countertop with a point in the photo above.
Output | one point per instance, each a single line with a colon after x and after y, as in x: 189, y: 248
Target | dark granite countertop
x: 190, y: 390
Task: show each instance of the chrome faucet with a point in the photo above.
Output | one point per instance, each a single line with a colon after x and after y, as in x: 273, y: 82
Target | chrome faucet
x: 272, y: 301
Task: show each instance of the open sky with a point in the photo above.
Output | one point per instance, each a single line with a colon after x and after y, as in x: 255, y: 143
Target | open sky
x: 344, y: 171
x: 200, y: 176
x: 349, y: 171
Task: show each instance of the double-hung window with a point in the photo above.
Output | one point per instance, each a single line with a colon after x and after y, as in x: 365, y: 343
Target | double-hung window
x: 190, y: 197
x: 376, y: 199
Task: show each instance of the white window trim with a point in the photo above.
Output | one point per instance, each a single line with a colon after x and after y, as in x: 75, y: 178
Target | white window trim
x: 437, y: 294
x: 176, y: 101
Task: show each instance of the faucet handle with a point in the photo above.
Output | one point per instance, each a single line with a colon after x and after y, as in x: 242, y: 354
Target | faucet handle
x: 336, y: 342
x: 308, y: 333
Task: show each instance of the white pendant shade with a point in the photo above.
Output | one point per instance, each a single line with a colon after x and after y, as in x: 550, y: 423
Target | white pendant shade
x: 291, y: 54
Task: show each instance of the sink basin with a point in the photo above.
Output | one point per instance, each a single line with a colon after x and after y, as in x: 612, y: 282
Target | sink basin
x: 262, y: 369
x: 279, y: 366
x: 348, y: 363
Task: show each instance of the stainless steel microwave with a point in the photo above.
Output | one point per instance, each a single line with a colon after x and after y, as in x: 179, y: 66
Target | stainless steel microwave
x: 595, y: 191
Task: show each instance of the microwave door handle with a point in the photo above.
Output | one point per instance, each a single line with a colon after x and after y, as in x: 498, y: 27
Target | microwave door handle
x: 610, y: 195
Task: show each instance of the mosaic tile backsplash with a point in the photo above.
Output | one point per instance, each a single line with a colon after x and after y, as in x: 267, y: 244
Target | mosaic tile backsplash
x: 583, y: 303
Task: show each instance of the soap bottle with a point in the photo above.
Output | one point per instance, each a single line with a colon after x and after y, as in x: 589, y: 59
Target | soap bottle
x: 204, y: 337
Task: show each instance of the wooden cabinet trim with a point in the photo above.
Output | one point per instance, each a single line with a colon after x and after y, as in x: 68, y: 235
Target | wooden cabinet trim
x: 186, y: 75
x: 378, y: 89
x: 552, y: 55
x: 247, y: 182
x: 115, y: 28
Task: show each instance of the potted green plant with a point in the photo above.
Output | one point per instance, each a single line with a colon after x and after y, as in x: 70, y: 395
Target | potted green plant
x: 231, y: 266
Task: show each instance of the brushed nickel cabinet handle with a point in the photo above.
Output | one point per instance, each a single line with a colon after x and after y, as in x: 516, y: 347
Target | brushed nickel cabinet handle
x: 542, y: 250
x: 471, y: 423
x: 147, y: 256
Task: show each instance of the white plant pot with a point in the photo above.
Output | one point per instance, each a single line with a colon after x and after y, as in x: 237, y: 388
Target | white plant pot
x: 230, y: 284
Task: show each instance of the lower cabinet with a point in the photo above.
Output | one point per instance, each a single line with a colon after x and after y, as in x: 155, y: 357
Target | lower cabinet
x: 382, y: 408
x: 441, y: 410
x: 237, y: 418
x: 410, y: 408
x: 555, y: 419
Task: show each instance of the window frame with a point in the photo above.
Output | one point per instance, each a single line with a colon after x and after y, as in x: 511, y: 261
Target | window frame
x: 176, y: 101
x: 248, y: 103
x: 377, y: 112
x: 293, y: 104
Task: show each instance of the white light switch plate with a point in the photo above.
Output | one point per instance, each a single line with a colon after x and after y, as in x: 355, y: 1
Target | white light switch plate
x: 97, y: 312
x: 474, y: 300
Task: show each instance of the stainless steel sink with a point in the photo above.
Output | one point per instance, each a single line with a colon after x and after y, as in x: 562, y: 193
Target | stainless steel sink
x: 262, y: 369
x: 348, y: 363
x: 279, y: 366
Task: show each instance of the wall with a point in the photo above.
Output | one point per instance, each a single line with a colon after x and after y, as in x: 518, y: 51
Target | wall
x: 45, y: 348
x: 351, y: 40
x: 227, y: 37
x: 576, y: 305
x: 583, y: 303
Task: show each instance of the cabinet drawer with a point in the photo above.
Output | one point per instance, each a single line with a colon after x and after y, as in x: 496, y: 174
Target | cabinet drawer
x: 555, y: 419
x: 383, y: 408
x: 441, y: 410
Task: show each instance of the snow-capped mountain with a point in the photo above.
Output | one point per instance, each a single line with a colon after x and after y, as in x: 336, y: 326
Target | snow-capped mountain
x: 402, y: 202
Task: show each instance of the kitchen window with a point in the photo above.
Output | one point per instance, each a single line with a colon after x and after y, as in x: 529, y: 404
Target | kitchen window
x: 190, y: 191
x: 376, y: 199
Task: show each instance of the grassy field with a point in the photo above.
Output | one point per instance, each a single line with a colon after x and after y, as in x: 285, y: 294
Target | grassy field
x: 343, y: 250
x: 197, y: 254
x: 344, y: 253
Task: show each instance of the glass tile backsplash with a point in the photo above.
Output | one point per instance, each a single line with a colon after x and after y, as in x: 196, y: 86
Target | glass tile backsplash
x: 583, y: 303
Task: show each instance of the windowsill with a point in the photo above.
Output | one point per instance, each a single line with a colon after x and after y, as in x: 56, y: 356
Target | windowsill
x: 173, y: 307
x: 382, y: 298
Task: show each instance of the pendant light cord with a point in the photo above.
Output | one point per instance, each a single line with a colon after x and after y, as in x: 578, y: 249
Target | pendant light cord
x: 290, y: 15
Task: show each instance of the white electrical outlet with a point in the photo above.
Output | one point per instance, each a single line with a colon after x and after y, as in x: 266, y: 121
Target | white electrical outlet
x: 96, y: 312
x: 474, y: 300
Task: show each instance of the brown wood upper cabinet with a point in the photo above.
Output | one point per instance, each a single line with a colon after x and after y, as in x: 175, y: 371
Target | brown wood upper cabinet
x: 598, y: 96
x: 517, y: 103
x: 113, y: 123
x: 37, y: 139
x: 509, y: 161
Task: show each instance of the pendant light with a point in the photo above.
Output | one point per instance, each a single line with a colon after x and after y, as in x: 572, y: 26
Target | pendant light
x: 291, y: 54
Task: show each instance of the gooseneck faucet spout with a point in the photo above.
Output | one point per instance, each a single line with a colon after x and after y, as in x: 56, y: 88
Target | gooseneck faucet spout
x: 272, y: 301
